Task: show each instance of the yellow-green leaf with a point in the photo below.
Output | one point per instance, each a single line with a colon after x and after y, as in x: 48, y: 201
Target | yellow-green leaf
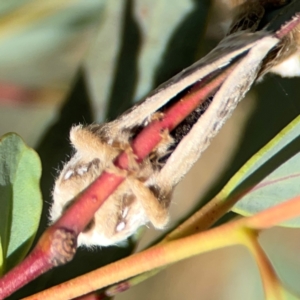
x: 271, y: 176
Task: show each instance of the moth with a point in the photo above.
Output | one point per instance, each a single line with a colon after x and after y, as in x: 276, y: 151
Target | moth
x: 145, y: 195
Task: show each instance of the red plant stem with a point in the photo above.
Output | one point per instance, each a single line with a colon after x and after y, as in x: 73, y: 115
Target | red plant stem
x: 46, y: 254
x: 35, y: 264
x: 288, y: 27
x: 89, y: 202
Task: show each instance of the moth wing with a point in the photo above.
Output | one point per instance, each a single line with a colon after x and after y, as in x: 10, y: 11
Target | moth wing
x: 224, y: 102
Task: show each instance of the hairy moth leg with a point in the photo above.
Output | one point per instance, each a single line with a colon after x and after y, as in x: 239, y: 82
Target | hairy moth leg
x: 156, y: 207
x: 132, y: 205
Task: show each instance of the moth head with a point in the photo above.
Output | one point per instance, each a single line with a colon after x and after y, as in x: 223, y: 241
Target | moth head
x: 123, y: 212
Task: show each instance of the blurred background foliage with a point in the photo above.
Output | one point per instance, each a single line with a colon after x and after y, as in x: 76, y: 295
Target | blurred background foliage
x: 71, y: 61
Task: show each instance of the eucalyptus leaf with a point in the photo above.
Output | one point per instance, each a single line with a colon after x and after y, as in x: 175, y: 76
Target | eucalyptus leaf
x: 21, y: 201
x: 271, y: 176
x: 47, y: 32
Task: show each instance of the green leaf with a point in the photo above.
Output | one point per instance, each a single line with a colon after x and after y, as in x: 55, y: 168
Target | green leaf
x: 20, y: 201
x: 271, y: 176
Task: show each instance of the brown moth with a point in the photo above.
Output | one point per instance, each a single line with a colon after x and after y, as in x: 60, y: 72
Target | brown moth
x: 145, y: 194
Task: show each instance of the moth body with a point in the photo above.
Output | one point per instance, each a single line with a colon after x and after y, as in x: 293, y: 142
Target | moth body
x: 144, y: 196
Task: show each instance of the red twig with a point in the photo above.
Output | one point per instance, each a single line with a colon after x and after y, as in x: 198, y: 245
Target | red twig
x: 58, y: 243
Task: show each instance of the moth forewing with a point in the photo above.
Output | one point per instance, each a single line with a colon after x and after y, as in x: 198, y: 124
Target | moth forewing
x: 224, y: 102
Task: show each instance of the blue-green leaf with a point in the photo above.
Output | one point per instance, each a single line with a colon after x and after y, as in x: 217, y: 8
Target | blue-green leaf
x: 20, y: 198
